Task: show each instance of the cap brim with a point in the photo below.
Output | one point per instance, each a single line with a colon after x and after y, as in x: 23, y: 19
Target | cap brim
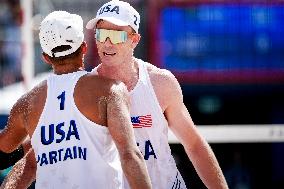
x: 92, y: 23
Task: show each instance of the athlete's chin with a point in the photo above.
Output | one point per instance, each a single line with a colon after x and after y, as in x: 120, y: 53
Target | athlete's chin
x: 109, y: 61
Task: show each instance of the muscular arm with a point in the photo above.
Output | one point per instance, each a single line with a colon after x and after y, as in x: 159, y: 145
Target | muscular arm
x: 180, y: 122
x: 14, y: 133
x: 22, y: 174
x: 121, y: 130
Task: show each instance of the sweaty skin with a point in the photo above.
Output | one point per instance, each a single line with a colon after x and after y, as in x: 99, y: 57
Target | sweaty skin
x: 102, y: 107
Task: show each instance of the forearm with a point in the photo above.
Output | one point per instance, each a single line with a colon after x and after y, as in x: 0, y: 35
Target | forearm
x: 22, y: 174
x: 206, y: 165
x: 9, y: 142
x: 135, y: 170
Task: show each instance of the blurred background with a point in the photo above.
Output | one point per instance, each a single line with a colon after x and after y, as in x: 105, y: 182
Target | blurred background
x: 228, y: 56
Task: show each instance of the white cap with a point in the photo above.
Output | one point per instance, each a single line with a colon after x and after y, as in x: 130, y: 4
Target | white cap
x: 61, y: 28
x: 117, y: 12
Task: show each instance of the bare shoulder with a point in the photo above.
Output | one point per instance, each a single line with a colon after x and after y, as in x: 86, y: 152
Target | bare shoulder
x: 165, y: 85
x: 114, y: 101
x: 31, y: 99
x: 102, y: 85
x: 161, y: 76
x: 26, y: 111
x: 98, y: 90
x: 93, y: 95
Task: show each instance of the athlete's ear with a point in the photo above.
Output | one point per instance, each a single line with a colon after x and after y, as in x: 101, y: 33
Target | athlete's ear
x: 45, y: 58
x: 135, y: 39
x: 84, y: 47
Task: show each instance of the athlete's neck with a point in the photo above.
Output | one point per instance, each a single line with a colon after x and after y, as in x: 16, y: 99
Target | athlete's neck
x: 127, y: 72
x: 59, y: 70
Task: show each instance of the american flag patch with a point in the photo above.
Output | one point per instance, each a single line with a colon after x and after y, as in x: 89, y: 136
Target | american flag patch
x: 141, y: 121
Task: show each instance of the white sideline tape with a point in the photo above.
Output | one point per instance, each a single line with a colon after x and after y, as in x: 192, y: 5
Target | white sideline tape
x: 238, y: 133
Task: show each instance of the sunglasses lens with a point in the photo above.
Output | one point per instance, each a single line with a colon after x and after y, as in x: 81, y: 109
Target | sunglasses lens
x: 114, y: 36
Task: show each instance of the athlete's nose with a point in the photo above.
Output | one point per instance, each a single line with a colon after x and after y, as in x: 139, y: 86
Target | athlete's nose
x: 108, y: 42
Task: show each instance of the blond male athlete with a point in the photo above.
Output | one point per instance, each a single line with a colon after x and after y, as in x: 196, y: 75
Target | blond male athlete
x: 78, y: 123
x: 156, y: 100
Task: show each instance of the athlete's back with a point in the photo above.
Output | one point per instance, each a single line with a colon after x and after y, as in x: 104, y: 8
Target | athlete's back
x: 72, y: 147
x: 66, y: 142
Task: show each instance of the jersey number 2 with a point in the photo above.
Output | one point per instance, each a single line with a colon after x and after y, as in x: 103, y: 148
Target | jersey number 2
x: 61, y: 97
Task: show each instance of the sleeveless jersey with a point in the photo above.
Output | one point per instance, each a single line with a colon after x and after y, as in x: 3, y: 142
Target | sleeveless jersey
x: 72, y: 151
x: 151, y: 133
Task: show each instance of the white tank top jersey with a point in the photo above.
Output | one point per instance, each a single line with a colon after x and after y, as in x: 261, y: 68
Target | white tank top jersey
x: 151, y: 133
x: 72, y: 151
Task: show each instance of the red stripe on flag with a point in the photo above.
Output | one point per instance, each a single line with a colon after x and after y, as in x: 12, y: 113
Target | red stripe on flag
x: 144, y: 121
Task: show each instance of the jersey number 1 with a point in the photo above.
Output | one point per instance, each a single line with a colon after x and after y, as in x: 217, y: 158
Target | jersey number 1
x: 61, y: 97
